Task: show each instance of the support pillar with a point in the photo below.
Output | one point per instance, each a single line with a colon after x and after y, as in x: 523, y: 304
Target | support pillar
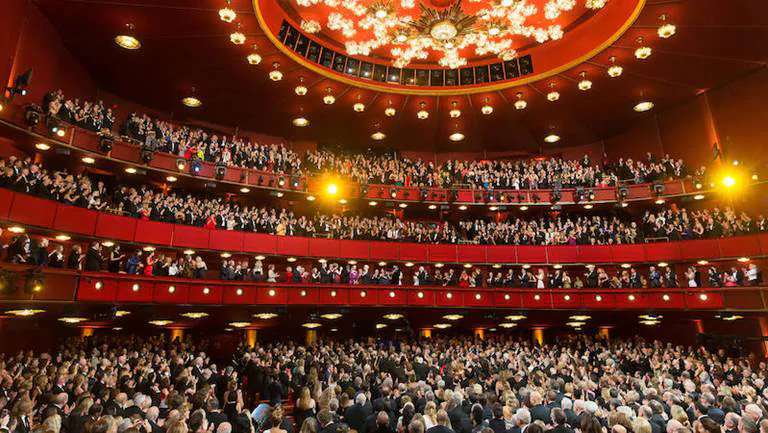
x: 538, y: 336
x: 763, y: 321
x: 425, y: 333
x: 251, y: 335
x: 177, y: 333
x: 605, y: 332
x: 699, y: 325
x: 86, y: 331
x: 480, y: 333
x: 311, y: 337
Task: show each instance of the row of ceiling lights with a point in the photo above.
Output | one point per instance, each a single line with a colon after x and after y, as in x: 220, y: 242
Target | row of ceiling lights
x: 665, y: 30
x: 129, y: 41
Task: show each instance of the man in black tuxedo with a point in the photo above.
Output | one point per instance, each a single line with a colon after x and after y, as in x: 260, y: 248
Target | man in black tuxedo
x: 356, y: 414
x: 560, y: 422
x: 539, y: 411
x: 325, y: 421
x: 382, y: 423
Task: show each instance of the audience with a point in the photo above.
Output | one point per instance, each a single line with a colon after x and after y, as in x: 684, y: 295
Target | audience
x: 127, y: 384
x: 365, y: 168
x: 78, y: 190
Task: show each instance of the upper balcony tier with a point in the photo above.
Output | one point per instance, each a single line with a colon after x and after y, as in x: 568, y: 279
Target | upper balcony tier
x: 121, y: 155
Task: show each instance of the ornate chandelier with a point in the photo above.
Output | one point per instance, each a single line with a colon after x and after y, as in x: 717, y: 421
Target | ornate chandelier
x: 448, y: 32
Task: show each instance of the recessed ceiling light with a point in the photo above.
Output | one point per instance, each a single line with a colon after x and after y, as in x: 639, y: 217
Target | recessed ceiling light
x: 160, y: 322
x: 171, y: 179
x: 253, y: 59
x: 463, y: 207
x: 191, y: 101
x: 72, y: 320
x: 311, y: 325
x: 16, y: 229
x: 552, y: 138
x: 130, y: 170
x: 643, y: 106
x: 378, y: 136
x: 227, y: 14
x: 63, y: 238
x: 88, y: 160
x: 456, y: 136
x: 128, y: 42
x: 442, y: 325
x: 195, y: 315
x: 42, y: 146
x: 300, y: 122
x: 25, y: 312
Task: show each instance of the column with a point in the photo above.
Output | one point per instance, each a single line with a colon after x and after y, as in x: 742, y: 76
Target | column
x: 251, y: 336
x: 311, y: 337
x: 605, y: 332
x: 538, y: 335
x: 425, y: 333
x: 699, y: 324
x: 480, y: 333
x: 763, y: 321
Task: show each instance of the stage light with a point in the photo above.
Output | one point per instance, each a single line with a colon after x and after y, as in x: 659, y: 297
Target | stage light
x: 331, y: 189
x: 729, y: 181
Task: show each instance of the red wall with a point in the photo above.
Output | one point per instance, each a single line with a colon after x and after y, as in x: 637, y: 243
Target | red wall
x: 11, y: 21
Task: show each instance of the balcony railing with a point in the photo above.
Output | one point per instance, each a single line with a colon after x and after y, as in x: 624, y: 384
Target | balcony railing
x: 27, y: 210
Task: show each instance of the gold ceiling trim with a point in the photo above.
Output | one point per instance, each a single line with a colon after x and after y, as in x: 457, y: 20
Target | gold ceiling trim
x: 398, y: 89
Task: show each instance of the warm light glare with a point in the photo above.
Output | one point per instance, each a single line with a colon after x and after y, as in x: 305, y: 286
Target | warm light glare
x: 643, y: 106
x: 729, y: 181
x: 192, y: 102
x: 128, y: 42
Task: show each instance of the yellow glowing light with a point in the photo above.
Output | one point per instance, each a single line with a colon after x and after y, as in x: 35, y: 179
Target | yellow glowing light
x: 729, y: 181
x: 72, y: 320
x: 128, y: 42
x: 42, y: 146
x: 25, y: 312
x: 16, y: 229
x: 192, y: 102
x: 160, y: 322
x: 332, y: 189
x: 195, y: 315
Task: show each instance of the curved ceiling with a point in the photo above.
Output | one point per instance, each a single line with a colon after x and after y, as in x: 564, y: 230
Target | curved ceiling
x: 185, y: 45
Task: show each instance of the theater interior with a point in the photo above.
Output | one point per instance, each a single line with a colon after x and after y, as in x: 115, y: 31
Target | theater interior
x: 510, y: 107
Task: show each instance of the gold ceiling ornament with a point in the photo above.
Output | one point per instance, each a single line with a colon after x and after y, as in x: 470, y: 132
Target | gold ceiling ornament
x: 521, y: 103
x: 301, y: 89
x: 311, y: 26
x: 584, y: 83
x: 237, y: 37
x: 329, y: 98
x: 615, y: 70
x: 486, y: 109
x: 553, y: 94
x: 390, y: 111
x: 455, y: 112
x: 422, y: 114
x: 275, y: 74
x: 666, y: 30
x: 643, y: 51
x: 493, y: 30
x: 254, y: 58
x: 227, y: 14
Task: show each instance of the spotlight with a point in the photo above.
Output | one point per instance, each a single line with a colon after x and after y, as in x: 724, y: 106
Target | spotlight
x: 220, y: 171
x: 622, y: 193
x: 20, y: 84
x: 105, y: 143
x: 55, y: 127
x: 33, y: 115
x: 332, y: 189
x: 729, y: 181
x: 195, y: 167
x: 146, y: 155
x: 658, y: 188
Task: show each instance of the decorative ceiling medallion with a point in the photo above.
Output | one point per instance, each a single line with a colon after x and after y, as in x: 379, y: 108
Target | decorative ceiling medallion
x: 451, y: 31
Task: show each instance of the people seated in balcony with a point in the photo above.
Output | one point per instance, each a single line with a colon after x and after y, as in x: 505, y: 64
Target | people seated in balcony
x: 93, y: 259
x: 593, y: 230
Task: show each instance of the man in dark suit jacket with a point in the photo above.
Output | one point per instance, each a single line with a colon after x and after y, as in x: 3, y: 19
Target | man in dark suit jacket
x: 356, y: 414
x: 539, y: 411
x: 442, y: 423
x: 497, y: 424
x: 325, y: 421
x: 93, y: 259
x: 382, y: 423
x: 459, y: 419
x: 560, y: 421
